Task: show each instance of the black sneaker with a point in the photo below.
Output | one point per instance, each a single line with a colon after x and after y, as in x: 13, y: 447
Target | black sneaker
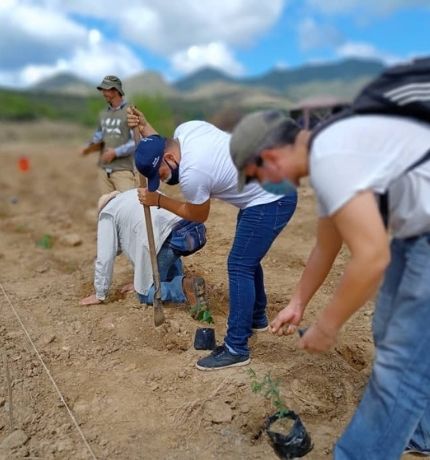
x: 413, y: 449
x: 221, y: 358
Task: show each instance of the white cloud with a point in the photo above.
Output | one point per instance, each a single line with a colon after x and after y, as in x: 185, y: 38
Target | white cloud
x: 367, y: 51
x: 34, y: 34
x: 167, y: 27
x: 36, y: 42
x: 41, y: 37
x: 214, y: 55
x: 91, y: 62
x: 104, y: 58
x: 313, y: 35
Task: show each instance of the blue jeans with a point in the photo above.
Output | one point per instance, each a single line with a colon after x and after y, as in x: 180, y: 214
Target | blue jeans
x: 396, y: 404
x: 171, y: 275
x: 256, y: 229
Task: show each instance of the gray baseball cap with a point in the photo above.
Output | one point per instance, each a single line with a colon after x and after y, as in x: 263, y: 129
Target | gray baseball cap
x: 109, y: 82
x: 255, y: 132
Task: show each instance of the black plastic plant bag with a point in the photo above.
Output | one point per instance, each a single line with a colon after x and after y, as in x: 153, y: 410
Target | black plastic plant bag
x: 204, y: 338
x: 296, y: 443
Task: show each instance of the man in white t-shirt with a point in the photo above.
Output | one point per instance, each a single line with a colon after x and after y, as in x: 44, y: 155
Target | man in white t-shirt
x: 350, y: 162
x: 198, y: 158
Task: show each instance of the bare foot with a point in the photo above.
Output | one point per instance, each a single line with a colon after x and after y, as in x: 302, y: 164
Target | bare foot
x: 129, y: 287
x: 90, y: 300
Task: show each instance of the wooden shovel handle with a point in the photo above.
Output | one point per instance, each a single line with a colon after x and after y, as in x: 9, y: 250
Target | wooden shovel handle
x: 158, y: 312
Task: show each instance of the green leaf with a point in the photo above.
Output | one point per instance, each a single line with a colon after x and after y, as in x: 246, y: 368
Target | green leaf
x: 46, y: 242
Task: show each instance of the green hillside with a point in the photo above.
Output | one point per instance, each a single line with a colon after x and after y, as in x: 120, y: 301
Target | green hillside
x: 23, y: 105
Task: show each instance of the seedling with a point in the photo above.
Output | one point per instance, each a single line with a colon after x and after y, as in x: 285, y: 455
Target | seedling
x: 269, y: 388
x: 286, y: 432
x: 201, y: 312
x: 46, y: 242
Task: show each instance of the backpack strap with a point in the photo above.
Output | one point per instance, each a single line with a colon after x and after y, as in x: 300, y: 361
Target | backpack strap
x: 421, y: 160
x: 384, y: 199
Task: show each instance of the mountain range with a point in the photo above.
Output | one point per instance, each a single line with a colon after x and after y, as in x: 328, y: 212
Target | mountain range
x: 279, y: 87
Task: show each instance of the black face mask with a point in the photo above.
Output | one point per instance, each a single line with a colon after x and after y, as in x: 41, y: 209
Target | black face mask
x: 174, y: 178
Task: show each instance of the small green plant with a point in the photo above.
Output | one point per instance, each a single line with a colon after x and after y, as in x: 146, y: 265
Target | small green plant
x: 46, y: 242
x: 269, y: 388
x: 201, y: 312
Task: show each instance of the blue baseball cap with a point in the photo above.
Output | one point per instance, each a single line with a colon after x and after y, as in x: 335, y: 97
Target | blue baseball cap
x: 148, y: 157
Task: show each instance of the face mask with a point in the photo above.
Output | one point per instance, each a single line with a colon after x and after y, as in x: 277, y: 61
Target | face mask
x: 173, y: 179
x: 285, y: 187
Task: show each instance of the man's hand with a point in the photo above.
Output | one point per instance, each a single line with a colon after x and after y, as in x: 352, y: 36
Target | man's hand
x: 135, y: 117
x: 287, y: 320
x: 90, y: 300
x: 318, y: 339
x: 147, y: 198
x: 108, y: 155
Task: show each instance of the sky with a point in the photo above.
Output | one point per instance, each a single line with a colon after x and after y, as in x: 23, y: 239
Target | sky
x: 243, y: 38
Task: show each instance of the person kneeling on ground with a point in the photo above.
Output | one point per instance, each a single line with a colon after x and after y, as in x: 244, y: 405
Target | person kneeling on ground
x: 121, y: 228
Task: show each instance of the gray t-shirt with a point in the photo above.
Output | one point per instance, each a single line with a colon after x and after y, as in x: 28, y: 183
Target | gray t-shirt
x: 371, y: 152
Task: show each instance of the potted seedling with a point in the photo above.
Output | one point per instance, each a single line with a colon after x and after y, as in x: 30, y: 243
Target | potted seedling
x: 205, y: 336
x: 286, y: 432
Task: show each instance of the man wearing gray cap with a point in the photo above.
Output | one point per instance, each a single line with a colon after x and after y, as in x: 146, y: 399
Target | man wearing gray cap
x: 116, y: 166
x: 350, y: 162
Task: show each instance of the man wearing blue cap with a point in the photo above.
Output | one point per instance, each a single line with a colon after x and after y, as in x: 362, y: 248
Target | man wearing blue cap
x: 198, y: 158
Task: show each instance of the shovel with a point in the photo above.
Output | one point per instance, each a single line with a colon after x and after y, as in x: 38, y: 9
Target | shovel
x: 157, y: 304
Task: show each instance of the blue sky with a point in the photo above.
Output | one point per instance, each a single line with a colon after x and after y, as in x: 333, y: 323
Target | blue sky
x: 39, y: 38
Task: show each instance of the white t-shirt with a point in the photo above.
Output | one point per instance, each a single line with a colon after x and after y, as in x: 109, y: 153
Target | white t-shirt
x: 207, y: 170
x: 371, y: 152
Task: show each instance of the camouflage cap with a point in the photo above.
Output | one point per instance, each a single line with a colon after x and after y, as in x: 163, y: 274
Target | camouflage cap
x: 254, y: 133
x: 109, y: 82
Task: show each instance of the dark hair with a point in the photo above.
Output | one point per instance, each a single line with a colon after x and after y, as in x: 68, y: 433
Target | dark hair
x: 285, y: 134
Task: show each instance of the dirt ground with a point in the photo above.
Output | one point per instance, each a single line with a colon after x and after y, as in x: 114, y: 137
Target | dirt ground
x: 132, y: 389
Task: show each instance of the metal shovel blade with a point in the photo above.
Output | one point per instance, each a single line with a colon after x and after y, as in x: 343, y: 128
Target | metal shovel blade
x: 158, y: 313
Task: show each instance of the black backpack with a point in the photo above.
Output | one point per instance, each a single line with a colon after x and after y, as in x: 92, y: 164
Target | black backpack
x: 402, y: 90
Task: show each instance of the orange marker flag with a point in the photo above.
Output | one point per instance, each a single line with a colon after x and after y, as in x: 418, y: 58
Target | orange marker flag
x: 23, y: 164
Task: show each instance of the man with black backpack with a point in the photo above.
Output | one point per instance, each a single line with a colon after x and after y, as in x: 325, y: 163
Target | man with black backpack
x: 350, y: 163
